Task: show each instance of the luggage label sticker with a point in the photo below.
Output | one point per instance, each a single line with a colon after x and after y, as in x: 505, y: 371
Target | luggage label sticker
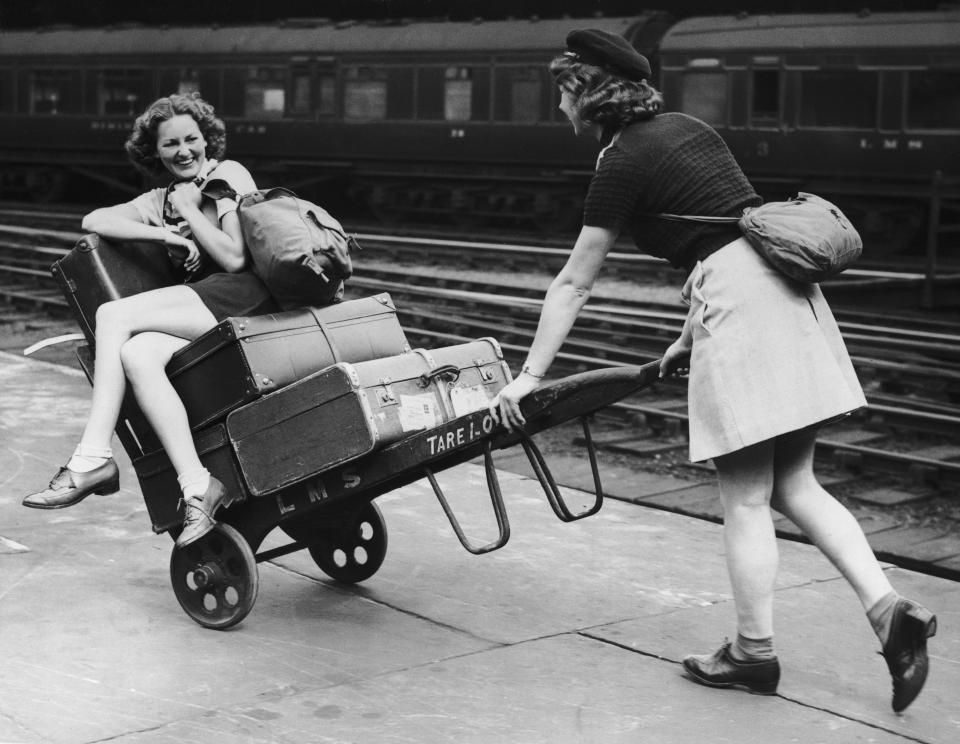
x: 468, y: 399
x: 418, y: 412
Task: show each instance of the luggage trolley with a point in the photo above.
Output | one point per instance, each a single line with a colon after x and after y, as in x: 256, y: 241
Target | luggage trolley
x: 328, y: 506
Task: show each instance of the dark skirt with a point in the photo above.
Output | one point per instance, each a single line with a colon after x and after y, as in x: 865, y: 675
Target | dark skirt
x: 229, y: 295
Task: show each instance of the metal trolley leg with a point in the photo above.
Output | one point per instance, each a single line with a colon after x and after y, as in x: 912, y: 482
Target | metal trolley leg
x: 496, y: 498
x: 548, y: 483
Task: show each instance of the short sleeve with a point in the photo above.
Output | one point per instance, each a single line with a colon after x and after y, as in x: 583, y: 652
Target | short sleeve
x: 614, y: 191
x: 149, y: 206
x: 239, y: 179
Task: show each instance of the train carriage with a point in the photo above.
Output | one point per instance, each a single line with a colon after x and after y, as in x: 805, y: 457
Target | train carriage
x: 458, y: 121
x: 430, y: 117
x: 864, y: 107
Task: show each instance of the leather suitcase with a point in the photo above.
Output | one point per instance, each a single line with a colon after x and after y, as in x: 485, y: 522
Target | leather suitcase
x: 158, y: 480
x: 97, y: 271
x: 348, y: 410
x: 242, y: 359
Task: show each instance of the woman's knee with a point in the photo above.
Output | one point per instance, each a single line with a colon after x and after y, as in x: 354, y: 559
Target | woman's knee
x: 111, y: 316
x: 144, y: 355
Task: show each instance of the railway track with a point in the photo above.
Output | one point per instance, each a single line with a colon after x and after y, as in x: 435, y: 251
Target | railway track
x: 910, y: 364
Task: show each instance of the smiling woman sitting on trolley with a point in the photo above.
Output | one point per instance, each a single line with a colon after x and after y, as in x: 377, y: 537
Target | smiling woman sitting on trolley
x: 180, y: 137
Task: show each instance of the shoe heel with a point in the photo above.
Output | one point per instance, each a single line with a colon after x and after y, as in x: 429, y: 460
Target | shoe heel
x: 923, y: 620
x: 763, y: 688
x: 109, y: 488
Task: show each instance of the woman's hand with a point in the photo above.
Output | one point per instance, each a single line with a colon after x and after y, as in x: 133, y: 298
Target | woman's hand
x: 505, y: 406
x: 185, y: 246
x: 185, y: 196
x: 676, y: 359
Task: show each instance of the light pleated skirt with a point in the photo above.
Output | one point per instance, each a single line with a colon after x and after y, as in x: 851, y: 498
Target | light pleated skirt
x: 767, y: 355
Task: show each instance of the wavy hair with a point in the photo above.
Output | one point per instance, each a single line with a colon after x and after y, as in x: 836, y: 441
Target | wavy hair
x: 141, y: 145
x: 604, y: 98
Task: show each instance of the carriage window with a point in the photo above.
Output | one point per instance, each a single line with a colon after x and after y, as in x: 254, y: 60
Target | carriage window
x: 364, y: 93
x: 54, y: 92
x: 122, y: 92
x: 457, y: 94
x: 519, y: 94
x: 7, y: 92
x: 765, y: 102
x: 400, y: 93
x: 326, y: 95
x: 234, y: 82
x: 933, y: 100
x: 264, y: 93
x: 704, y: 95
x: 179, y: 80
x: 430, y: 93
x: 838, y: 99
x: 300, y: 98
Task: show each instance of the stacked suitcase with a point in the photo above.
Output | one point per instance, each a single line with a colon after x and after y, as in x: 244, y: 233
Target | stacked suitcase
x: 275, y: 399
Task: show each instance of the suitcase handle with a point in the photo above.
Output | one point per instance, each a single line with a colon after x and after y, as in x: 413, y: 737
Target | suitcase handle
x: 496, y: 498
x: 548, y: 483
x: 449, y: 371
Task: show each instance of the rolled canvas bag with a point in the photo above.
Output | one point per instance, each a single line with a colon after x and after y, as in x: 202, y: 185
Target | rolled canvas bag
x: 806, y: 238
x: 299, y: 250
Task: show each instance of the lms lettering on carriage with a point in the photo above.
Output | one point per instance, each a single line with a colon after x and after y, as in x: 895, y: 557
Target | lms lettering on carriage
x: 463, y: 434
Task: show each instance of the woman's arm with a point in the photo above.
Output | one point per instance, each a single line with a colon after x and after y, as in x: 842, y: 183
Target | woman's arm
x: 223, y: 242
x: 123, y: 222
x: 567, y: 295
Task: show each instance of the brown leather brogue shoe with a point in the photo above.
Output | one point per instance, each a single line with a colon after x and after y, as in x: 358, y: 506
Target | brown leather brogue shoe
x: 69, y: 487
x: 199, y: 512
x: 720, y: 669
x: 906, y: 651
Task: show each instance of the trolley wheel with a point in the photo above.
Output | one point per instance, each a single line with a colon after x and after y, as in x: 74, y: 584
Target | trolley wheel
x: 215, y: 578
x: 356, y: 549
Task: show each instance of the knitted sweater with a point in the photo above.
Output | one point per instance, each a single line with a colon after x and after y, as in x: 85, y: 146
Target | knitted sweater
x: 676, y: 164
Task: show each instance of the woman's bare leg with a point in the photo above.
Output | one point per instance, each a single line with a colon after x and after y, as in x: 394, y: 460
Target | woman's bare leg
x: 829, y: 525
x: 144, y: 358
x: 177, y: 311
x: 746, y: 483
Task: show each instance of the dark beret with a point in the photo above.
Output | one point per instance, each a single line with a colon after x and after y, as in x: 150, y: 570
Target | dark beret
x: 609, y: 51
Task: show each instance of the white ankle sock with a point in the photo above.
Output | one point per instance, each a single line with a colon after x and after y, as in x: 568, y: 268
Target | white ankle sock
x: 194, y: 482
x: 86, y: 458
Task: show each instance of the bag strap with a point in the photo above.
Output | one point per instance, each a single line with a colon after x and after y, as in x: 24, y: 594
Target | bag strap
x: 695, y: 218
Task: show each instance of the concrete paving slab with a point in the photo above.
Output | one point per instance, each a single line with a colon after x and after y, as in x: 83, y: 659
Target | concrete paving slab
x: 891, y: 496
x: 827, y: 651
x: 563, y: 690
x: 617, y: 480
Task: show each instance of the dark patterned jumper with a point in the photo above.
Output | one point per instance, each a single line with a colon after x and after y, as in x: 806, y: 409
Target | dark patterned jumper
x: 676, y: 164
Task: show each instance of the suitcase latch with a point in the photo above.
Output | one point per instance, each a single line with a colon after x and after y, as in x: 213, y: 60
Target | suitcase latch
x: 486, y: 373
x: 385, y: 397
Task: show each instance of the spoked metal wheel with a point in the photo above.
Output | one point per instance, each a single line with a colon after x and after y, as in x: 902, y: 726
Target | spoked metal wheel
x: 215, y: 578
x: 354, y: 550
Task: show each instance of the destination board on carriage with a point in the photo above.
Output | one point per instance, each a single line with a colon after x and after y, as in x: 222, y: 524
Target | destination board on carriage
x: 349, y: 410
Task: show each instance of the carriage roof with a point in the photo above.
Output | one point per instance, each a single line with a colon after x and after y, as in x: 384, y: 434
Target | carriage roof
x: 312, y: 37
x: 833, y: 31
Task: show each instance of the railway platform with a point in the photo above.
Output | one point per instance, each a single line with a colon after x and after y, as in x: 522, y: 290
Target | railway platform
x: 570, y: 633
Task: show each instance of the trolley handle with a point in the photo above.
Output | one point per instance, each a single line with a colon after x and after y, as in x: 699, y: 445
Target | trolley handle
x: 549, y: 484
x: 496, y: 499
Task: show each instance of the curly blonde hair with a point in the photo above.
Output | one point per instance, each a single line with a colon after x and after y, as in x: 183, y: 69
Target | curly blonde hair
x: 605, y: 98
x: 141, y: 145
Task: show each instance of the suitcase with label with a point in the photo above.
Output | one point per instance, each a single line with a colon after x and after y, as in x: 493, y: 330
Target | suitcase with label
x: 97, y: 270
x: 348, y: 410
x: 244, y: 358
